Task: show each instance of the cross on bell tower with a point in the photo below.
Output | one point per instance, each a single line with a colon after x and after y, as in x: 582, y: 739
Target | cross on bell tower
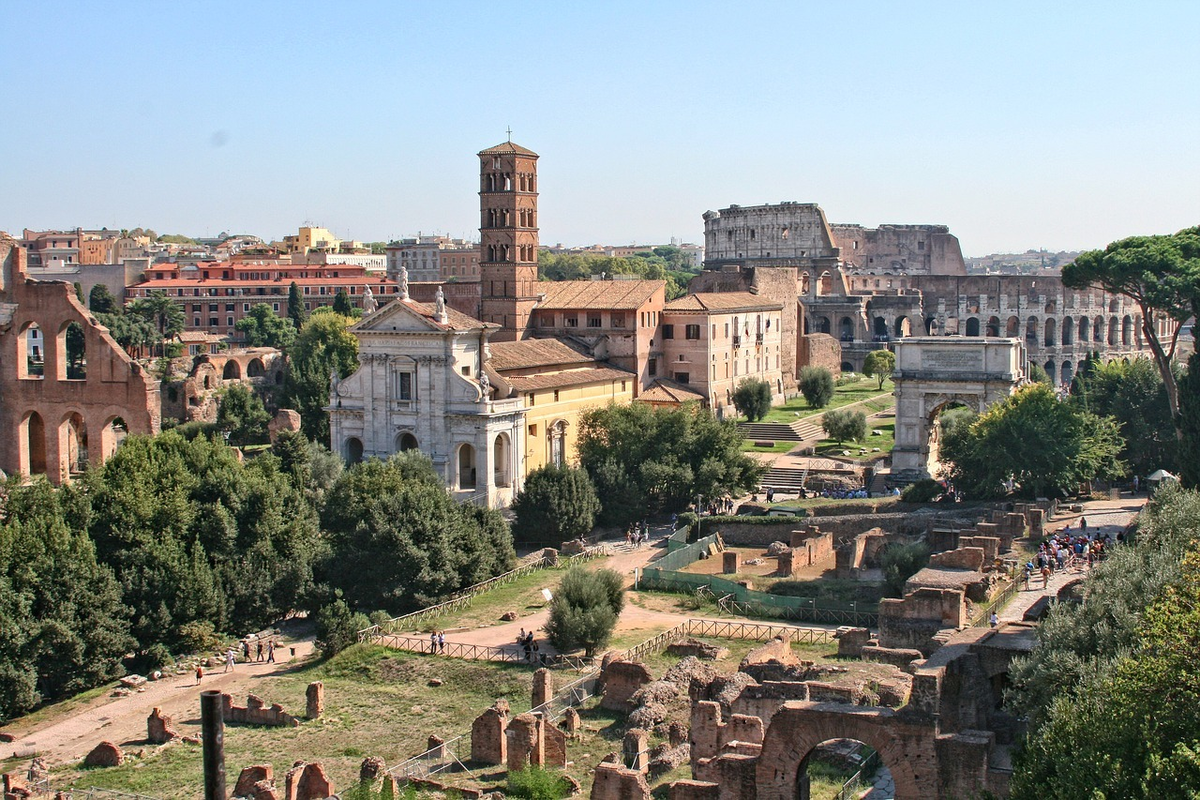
x: 508, y: 237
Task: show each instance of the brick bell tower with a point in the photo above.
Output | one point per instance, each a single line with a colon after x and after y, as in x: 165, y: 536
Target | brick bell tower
x: 508, y: 238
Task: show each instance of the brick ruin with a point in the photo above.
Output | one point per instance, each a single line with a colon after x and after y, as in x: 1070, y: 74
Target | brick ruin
x: 256, y: 712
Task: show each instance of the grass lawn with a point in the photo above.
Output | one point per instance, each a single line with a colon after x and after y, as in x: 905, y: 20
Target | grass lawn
x: 798, y: 408
x: 748, y: 446
x: 885, y: 443
x: 866, y: 505
x: 524, y: 596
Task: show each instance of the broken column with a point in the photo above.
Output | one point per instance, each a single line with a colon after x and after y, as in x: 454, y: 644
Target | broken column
x: 488, y: 739
x: 729, y: 562
x: 570, y: 721
x: 524, y: 738
x: 636, y: 746
x: 159, y: 729
x: 543, y: 687
x: 316, y: 700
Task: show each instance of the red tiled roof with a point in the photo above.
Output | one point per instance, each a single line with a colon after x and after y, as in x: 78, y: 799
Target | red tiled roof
x: 570, y: 377
x: 669, y: 391
x: 507, y: 149
x: 597, y: 295
x: 535, y: 353
x: 722, y: 302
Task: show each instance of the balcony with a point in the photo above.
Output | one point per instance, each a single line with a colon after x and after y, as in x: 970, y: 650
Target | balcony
x: 737, y: 341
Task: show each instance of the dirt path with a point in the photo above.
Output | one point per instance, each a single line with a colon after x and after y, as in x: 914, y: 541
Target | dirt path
x: 123, y: 719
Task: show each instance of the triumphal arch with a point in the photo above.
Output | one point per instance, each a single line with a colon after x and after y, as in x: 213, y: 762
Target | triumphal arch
x: 936, y: 372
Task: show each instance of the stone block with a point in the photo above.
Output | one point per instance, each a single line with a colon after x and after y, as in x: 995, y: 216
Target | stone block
x: 614, y: 782
x: 488, y: 739
x: 308, y: 782
x: 851, y: 641
x: 693, y: 790
x: 570, y: 721
x: 314, y: 700
x: 636, y: 749
x: 621, y: 680
x: 963, y: 558
x: 525, y: 747
x: 159, y: 729
x: 729, y: 562
x: 250, y: 776
x: 105, y: 754
x: 554, y: 747
x: 371, y: 769
x: 543, y: 687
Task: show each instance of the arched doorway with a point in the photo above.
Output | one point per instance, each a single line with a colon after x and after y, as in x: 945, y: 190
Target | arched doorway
x: 33, y: 444
x: 111, y: 435
x: 72, y: 349
x: 255, y: 369
x: 31, y: 353
x: 993, y: 327
x: 1098, y: 329
x: 1031, y: 331
x: 945, y: 420
x: 1067, y: 373
x: 1012, y: 328
x: 1112, y: 332
x: 500, y: 459
x: 232, y: 371
x: 1051, y: 332
x: 847, y: 366
x: 972, y: 326
x: 902, y: 327
x: 881, y: 329
x: 1085, y: 330
x: 354, y: 450
x: 1068, y: 331
x: 1127, y: 331
x: 466, y: 467
x: 405, y: 442
x: 846, y: 329
x: 73, y: 443
x: 823, y: 325
x: 830, y: 764
x: 825, y: 284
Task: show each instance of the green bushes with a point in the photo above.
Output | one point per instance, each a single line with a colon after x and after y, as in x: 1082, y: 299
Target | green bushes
x: 923, y: 491
x: 900, y: 562
x: 535, y: 783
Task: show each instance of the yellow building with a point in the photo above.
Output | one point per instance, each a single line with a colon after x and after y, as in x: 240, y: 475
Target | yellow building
x: 312, y: 238
x: 556, y: 384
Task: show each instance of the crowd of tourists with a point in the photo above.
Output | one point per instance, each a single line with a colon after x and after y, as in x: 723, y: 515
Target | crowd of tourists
x: 1067, y: 549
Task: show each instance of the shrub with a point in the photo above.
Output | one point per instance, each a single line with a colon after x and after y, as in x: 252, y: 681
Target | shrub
x: 900, y: 562
x: 197, y: 637
x: 816, y: 384
x: 923, y: 491
x: 338, y: 627
x: 535, y: 783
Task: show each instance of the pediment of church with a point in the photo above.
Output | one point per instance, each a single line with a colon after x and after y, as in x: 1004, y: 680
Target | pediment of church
x: 400, y: 315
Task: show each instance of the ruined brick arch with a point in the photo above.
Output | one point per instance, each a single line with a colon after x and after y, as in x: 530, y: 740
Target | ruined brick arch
x: 32, y: 444
x: 231, y: 371
x: 799, y: 727
x: 255, y: 368
x: 72, y: 444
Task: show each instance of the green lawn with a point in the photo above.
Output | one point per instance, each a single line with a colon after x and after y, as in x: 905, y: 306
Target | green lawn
x: 748, y: 446
x: 798, y: 408
x: 885, y: 443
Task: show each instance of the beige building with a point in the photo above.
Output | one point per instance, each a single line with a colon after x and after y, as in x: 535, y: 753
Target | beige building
x: 434, y: 258
x: 312, y: 238
x: 713, y: 341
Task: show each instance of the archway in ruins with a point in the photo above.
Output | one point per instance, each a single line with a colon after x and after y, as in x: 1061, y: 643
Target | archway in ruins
x: 943, y: 418
x: 833, y: 762
x: 935, y: 373
x: 799, y: 728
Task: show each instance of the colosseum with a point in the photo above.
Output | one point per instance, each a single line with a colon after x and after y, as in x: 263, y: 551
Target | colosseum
x: 867, y: 287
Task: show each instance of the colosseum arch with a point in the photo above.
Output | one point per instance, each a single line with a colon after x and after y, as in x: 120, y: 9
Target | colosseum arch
x: 972, y: 326
x: 1051, y: 331
x: 32, y: 444
x: 1127, y: 331
x: 1085, y: 330
x: 1012, y: 328
x: 1068, y: 331
x: 993, y: 327
x: 908, y: 751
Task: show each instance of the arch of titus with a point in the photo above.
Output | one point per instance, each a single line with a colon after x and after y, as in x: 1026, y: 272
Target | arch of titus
x: 934, y: 372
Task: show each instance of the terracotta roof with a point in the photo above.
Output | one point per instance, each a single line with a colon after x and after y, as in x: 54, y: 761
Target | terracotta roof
x: 455, y: 320
x: 535, y: 353
x: 668, y: 391
x: 507, y: 149
x: 614, y: 295
x: 215, y: 283
x: 722, y: 301
x: 570, y: 377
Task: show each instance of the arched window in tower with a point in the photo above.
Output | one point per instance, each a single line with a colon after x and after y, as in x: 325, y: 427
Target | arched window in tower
x: 507, y: 182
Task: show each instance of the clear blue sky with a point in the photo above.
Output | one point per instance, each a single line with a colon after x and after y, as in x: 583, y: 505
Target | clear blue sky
x: 1019, y: 124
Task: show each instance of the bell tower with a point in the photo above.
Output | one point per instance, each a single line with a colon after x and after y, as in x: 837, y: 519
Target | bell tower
x: 508, y: 238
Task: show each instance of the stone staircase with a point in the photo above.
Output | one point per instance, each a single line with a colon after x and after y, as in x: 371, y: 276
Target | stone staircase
x: 799, y: 431
x: 783, y: 479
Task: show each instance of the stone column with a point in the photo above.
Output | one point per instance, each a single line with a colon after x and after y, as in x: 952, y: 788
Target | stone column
x: 543, y: 687
x: 316, y: 700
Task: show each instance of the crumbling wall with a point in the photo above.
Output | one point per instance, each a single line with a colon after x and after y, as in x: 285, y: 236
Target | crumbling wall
x: 256, y: 712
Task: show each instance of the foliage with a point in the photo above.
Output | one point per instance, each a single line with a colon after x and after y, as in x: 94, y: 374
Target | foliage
x: 1113, y: 687
x: 297, y: 313
x: 537, y: 783
x: 196, y: 536
x: 1037, y: 374
x: 323, y: 347
x: 900, y: 562
x: 399, y: 541
x: 1189, y: 423
x: 843, y: 424
x: 664, y: 263
x: 752, y: 398
x: 63, y: 627
x: 102, y: 301
x: 242, y: 415
x: 76, y: 350
x: 585, y: 609
x: 338, y: 627
x: 160, y: 311
x: 1133, y: 394
x: 1161, y: 274
x: 557, y: 504
x: 176, y: 238
x: 134, y: 333
x: 262, y: 327
x: 880, y: 364
x: 816, y: 384
x: 925, y: 490
x: 1033, y: 439
x: 342, y: 304
x: 644, y: 459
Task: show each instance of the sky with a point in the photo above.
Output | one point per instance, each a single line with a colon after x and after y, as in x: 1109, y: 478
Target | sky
x: 1019, y: 125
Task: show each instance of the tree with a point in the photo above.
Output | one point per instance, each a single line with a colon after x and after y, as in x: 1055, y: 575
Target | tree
x: 879, y: 364
x: 296, y: 311
x: 1189, y: 423
x: 644, y: 459
x: 342, y: 304
x: 338, y: 627
x: 752, y: 399
x: 242, y: 415
x: 324, y: 347
x: 161, y: 312
x: 843, y: 424
x: 557, y: 504
x: 584, y: 610
x: 1037, y: 374
x: 816, y: 384
x: 102, y: 301
x: 262, y: 327
x: 63, y: 627
x: 399, y: 542
x: 900, y: 562
x: 1033, y: 439
x: 1132, y: 393
x: 1159, y: 273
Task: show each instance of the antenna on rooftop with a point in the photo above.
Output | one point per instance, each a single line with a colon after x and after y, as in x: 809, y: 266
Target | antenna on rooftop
x: 510, y: 134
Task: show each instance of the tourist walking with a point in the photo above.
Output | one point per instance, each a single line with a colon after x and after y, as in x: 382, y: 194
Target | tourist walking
x: 260, y: 653
x: 229, y: 660
x: 199, y: 673
x: 442, y: 641
x: 271, y: 651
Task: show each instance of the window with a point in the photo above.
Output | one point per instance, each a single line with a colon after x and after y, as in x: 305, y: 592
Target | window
x: 572, y: 322
x: 556, y: 395
x: 652, y: 366
x: 404, y: 386
x: 213, y: 322
x: 692, y: 331
x: 276, y: 306
x: 618, y: 320
x: 530, y: 398
x: 195, y: 322
x: 228, y: 307
x: 622, y: 386
x: 668, y: 331
x: 229, y: 321
x: 593, y: 320
x: 245, y: 307
x: 212, y: 307
x: 920, y: 245
x: 532, y: 431
x: 682, y: 377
